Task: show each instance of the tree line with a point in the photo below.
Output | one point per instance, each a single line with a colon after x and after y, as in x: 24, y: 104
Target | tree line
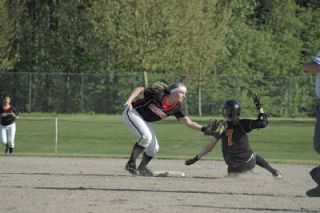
x: 187, y: 39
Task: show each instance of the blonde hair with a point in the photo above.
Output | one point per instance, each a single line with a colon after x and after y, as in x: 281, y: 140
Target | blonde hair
x: 160, y: 85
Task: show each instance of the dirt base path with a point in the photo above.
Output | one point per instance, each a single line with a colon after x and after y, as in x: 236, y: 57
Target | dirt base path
x: 41, y: 184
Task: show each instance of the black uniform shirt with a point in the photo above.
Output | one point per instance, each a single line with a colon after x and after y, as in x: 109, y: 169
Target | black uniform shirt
x: 151, y: 109
x: 235, y: 141
x: 6, y: 117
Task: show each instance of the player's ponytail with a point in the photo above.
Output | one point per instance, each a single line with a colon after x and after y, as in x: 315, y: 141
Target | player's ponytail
x: 160, y: 85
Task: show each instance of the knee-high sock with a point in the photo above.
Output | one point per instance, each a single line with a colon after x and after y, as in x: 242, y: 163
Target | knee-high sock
x: 264, y: 164
x: 145, y: 160
x: 136, y: 151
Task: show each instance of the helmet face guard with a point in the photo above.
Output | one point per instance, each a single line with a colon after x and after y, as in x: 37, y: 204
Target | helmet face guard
x: 231, y: 109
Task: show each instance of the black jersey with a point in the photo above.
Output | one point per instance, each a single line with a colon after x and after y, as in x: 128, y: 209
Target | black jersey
x: 235, y: 141
x: 151, y: 108
x: 6, y: 117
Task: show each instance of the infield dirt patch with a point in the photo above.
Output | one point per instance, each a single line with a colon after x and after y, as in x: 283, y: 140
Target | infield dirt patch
x: 43, y: 184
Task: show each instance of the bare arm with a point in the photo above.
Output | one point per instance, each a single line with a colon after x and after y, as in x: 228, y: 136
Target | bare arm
x: 260, y: 110
x: 189, y: 123
x: 206, y: 149
x: 311, y: 67
x: 135, y: 93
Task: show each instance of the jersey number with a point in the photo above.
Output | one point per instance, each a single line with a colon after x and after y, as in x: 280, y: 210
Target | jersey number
x: 229, y: 135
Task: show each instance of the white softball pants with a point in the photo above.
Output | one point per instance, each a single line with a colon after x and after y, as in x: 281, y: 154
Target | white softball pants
x: 143, y: 130
x: 8, y: 134
x: 317, y: 86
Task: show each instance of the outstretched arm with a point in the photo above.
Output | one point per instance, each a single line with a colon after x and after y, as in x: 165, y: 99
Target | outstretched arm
x: 206, y: 149
x: 262, y: 120
x: 311, y: 67
x: 191, y: 124
x: 135, y: 93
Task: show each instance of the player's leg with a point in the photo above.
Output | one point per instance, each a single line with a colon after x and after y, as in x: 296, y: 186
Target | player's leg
x: 148, y: 155
x: 140, y: 128
x: 316, y: 137
x: 264, y: 164
x: 245, y: 167
x: 11, y: 132
x: 3, y: 137
x: 315, y: 174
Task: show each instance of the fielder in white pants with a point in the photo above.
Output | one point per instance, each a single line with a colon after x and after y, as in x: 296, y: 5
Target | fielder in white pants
x: 157, y: 104
x: 8, y: 115
x: 8, y: 134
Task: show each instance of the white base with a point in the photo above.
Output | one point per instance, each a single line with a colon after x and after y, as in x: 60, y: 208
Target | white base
x: 169, y: 174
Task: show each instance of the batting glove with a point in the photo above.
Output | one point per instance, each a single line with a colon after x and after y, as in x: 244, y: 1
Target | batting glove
x: 191, y: 161
x: 256, y: 101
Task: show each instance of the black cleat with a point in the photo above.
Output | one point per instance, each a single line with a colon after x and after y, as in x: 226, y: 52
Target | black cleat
x: 277, y: 174
x: 315, y: 192
x: 10, y: 150
x: 145, y: 172
x: 6, y: 149
x: 132, y: 169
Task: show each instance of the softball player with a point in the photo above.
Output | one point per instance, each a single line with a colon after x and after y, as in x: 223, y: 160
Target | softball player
x: 8, y: 115
x: 314, y: 67
x: 235, y: 142
x: 157, y: 104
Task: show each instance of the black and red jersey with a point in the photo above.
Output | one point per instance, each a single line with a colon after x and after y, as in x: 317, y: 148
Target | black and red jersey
x: 153, y: 106
x: 235, y: 141
x: 6, y: 117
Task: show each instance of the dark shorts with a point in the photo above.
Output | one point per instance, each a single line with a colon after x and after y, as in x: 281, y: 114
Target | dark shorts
x: 316, y: 137
x: 246, y: 166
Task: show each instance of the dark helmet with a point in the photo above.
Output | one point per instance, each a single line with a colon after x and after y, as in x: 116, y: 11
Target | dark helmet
x: 231, y: 109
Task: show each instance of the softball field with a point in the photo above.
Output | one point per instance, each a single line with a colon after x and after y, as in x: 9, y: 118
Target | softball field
x: 90, y: 185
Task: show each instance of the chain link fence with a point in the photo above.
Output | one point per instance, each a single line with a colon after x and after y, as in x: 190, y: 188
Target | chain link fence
x: 282, y: 96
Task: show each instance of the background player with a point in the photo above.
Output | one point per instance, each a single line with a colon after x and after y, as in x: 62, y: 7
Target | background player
x: 314, y: 67
x: 158, y: 103
x: 235, y: 142
x: 8, y: 115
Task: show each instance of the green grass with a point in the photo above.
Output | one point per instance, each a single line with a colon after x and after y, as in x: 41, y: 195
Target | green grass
x: 284, y: 140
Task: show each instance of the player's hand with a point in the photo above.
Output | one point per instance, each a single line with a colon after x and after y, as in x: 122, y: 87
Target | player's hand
x: 128, y: 104
x: 191, y: 161
x: 205, y: 130
x: 256, y: 101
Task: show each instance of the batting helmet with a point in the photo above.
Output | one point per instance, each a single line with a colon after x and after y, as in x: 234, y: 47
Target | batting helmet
x: 231, y: 109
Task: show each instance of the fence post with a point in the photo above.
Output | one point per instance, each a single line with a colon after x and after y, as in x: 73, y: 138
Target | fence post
x: 289, y: 96
x: 81, y: 93
x: 56, y: 136
x: 30, y: 92
x: 199, y: 96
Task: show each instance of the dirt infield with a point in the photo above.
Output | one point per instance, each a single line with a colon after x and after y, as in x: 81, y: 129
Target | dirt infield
x: 41, y: 184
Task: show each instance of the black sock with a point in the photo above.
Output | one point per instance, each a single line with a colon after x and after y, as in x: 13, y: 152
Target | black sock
x: 264, y: 164
x: 136, y: 151
x: 145, y: 160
